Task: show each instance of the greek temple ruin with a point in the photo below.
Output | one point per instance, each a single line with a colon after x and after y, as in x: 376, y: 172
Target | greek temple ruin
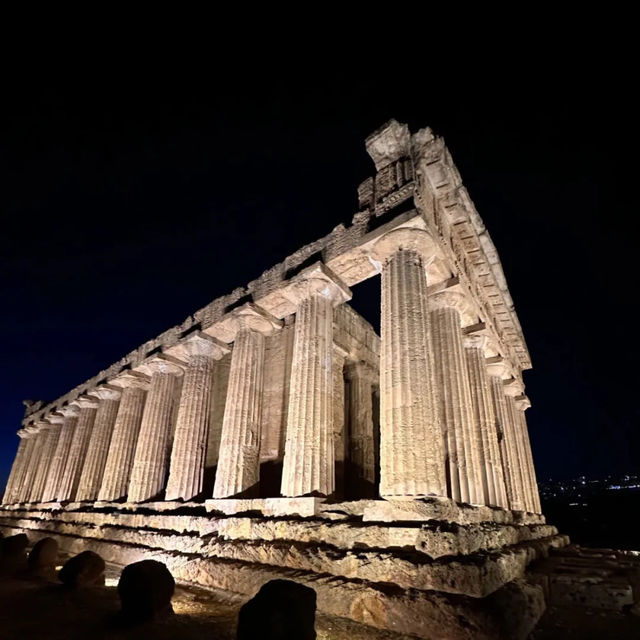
x: 274, y: 434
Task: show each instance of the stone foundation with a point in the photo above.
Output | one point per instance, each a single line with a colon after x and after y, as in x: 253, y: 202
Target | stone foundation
x: 434, y: 577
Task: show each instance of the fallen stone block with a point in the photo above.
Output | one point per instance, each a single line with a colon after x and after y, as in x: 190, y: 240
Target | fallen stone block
x: 145, y: 589
x: 84, y: 570
x: 281, y: 609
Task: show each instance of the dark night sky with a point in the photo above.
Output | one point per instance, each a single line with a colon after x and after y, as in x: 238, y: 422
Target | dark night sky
x: 134, y: 194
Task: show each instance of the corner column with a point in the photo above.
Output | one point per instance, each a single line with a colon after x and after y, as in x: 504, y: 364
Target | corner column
x: 484, y: 415
x: 117, y: 470
x: 497, y: 370
x: 199, y: 353
x: 308, y: 466
x: 23, y: 483
x: 61, y: 453
x: 77, y: 451
x: 238, y: 469
x: 512, y: 389
x: 156, y: 430
x: 411, y: 442
x: 16, y: 469
x: 98, y: 448
x: 522, y: 403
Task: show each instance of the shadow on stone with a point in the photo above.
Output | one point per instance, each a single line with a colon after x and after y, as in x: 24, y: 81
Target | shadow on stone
x: 282, y: 609
x: 145, y: 589
x: 84, y: 570
x: 43, y: 557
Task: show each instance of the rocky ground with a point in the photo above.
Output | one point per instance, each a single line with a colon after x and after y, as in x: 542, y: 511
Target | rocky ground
x: 40, y: 609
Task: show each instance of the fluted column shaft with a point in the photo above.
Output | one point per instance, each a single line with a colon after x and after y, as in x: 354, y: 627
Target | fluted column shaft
x: 461, y: 438
x: 98, y: 447
x: 361, y: 437
x: 411, y: 451
x: 117, y: 471
x: 520, y: 446
x: 16, y: 468
x: 78, y: 449
x: 61, y: 453
x: 239, y: 463
x: 509, y: 457
x: 309, y: 459
x: 485, y: 424
x: 154, y: 440
x: 49, y: 442
x: 521, y: 406
x: 21, y: 491
x: 192, y: 423
x: 514, y: 441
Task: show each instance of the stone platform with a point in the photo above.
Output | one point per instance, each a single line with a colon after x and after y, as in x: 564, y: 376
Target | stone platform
x: 429, y: 567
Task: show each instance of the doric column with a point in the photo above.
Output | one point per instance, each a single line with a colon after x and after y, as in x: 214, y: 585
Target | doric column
x: 61, y: 454
x: 117, y: 470
x: 340, y: 429
x: 16, y: 468
x: 49, y: 441
x: 239, y: 459
x: 498, y: 370
x: 22, y: 483
x: 98, y: 448
x: 198, y: 352
x: 461, y: 439
x: 485, y: 423
x: 411, y: 444
x: 361, y: 443
x: 158, y: 418
x: 78, y: 449
x: 308, y: 466
x: 522, y: 403
x: 512, y: 389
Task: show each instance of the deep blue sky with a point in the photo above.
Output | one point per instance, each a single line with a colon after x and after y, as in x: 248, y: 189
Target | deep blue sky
x: 137, y: 192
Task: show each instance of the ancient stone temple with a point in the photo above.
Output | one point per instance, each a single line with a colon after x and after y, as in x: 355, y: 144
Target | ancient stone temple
x: 275, y: 434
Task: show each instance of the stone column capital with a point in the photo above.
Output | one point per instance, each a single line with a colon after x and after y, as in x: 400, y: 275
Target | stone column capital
x: 161, y: 364
x: 24, y: 434
x: 513, y: 387
x: 105, y: 392
x: 69, y: 410
x: 498, y: 368
x: 248, y: 316
x: 131, y: 379
x: 522, y: 402
x: 476, y: 341
x: 86, y: 402
x: 361, y: 370
x: 405, y: 239
x: 42, y: 425
x: 317, y: 279
x: 454, y: 299
x: 55, y: 418
x: 199, y: 344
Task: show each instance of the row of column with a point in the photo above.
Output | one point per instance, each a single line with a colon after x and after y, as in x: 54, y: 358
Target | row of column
x: 449, y: 425
x: 120, y: 440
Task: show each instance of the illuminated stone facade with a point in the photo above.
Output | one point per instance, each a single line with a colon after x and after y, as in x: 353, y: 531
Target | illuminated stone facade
x: 280, y: 400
